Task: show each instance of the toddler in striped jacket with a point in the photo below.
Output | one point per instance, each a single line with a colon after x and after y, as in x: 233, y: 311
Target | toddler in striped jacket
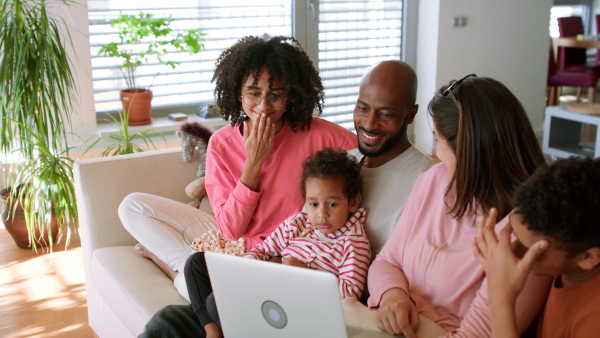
x: 330, y: 234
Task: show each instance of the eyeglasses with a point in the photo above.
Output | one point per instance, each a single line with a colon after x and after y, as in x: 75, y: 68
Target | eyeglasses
x: 254, y: 99
x: 454, y: 85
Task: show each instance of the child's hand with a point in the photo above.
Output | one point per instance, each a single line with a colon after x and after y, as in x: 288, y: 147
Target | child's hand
x: 294, y: 262
x: 505, y: 272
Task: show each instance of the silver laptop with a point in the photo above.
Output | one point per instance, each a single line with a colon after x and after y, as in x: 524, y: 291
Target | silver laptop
x: 265, y: 299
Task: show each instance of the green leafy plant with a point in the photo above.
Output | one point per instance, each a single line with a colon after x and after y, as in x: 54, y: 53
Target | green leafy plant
x: 37, y: 92
x: 124, y: 142
x: 43, y: 187
x: 142, y: 37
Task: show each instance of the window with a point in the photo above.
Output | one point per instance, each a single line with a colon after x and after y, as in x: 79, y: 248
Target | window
x: 564, y: 11
x: 354, y: 35
x: 224, y: 22
x: 346, y: 36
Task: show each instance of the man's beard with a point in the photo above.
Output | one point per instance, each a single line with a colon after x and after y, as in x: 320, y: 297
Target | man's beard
x: 386, y: 146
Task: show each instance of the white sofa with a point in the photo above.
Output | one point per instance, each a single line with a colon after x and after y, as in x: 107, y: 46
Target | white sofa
x: 123, y: 289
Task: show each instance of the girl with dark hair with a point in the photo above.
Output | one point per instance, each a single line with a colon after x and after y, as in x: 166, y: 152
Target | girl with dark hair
x: 269, y: 90
x: 426, y: 267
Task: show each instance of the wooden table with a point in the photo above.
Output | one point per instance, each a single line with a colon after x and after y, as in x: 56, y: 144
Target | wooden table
x: 572, y: 42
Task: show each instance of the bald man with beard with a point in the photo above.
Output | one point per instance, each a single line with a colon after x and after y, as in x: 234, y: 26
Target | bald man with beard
x: 390, y: 163
x: 386, y: 105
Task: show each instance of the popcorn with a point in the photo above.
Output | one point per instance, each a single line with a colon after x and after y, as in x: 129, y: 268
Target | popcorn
x: 214, y: 241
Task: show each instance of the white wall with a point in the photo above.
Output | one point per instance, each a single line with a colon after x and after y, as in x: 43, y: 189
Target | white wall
x: 506, y: 40
x: 84, y: 120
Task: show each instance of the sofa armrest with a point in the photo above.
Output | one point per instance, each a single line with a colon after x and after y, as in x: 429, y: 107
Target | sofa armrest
x: 102, y: 183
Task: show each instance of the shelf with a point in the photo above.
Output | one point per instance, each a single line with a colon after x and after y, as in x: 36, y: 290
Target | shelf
x: 568, y: 133
x: 162, y: 126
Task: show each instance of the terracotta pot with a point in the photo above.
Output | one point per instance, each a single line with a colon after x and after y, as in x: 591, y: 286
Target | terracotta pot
x: 137, y: 102
x: 17, y: 227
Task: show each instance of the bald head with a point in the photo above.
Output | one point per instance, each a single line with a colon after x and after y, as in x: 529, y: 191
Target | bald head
x: 384, y: 108
x: 393, y: 75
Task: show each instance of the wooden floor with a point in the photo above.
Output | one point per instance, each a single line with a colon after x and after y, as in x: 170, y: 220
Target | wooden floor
x: 42, y: 295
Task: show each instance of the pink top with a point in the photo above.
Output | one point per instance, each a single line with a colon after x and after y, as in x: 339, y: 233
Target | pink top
x: 346, y: 252
x: 253, y: 215
x: 429, y: 256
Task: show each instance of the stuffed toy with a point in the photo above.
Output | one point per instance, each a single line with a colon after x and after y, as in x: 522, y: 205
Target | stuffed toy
x: 195, y: 136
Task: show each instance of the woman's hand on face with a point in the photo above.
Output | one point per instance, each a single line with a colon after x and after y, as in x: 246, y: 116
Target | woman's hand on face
x: 397, y: 314
x: 294, y: 262
x: 258, y: 139
x: 505, y: 272
x: 258, y: 142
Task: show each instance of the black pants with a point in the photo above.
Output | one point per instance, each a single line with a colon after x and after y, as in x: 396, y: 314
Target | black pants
x: 173, y: 321
x: 200, y: 290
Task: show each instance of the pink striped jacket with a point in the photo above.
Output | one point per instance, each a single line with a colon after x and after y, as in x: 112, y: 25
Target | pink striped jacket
x: 345, y: 252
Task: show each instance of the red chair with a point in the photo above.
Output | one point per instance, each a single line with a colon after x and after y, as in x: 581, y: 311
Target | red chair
x: 598, y: 33
x: 579, y: 79
x: 573, y: 59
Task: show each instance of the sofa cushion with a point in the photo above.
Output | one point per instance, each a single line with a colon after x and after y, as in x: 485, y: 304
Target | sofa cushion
x: 133, y: 286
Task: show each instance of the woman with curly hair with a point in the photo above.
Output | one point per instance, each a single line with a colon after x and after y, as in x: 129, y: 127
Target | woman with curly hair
x: 268, y: 89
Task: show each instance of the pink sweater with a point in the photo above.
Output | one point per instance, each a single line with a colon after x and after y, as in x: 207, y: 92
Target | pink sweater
x: 253, y: 215
x: 346, y: 252
x: 429, y: 256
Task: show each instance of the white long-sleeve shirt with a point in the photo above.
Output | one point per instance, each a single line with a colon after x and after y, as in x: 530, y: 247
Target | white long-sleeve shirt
x: 345, y: 252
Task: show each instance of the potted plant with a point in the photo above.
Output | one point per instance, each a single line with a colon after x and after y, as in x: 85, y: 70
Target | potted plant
x: 42, y: 195
x: 37, y: 92
x: 122, y: 143
x: 143, y: 38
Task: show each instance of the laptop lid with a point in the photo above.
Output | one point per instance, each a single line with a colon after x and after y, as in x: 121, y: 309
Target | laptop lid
x: 264, y: 299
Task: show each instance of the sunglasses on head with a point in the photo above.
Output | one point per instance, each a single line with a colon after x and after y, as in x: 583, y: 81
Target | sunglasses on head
x: 454, y: 85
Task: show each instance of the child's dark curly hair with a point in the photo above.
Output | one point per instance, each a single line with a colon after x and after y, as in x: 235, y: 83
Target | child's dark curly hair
x: 333, y: 164
x: 562, y: 201
x: 282, y: 56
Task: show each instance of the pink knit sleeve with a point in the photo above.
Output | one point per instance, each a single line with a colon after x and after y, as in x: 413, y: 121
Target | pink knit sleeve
x: 386, y: 271
x: 352, y: 275
x: 476, y: 322
x: 276, y: 242
x: 232, y: 202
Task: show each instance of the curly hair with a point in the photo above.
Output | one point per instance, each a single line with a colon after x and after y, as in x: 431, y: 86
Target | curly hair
x: 562, y: 201
x: 284, y: 57
x: 333, y: 164
x: 495, y: 147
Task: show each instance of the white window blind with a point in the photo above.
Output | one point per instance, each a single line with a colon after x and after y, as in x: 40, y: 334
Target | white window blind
x: 353, y: 35
x: 224, y: 22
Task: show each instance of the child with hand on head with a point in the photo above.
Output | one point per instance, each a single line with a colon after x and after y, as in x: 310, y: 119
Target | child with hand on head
x: 328, y: 236
x: 556, y: 221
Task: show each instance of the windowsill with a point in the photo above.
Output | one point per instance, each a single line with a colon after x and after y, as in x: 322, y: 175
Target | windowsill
x: 162, y: 126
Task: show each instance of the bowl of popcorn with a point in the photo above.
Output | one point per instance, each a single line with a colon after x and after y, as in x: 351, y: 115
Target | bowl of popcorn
x: 197, y: 238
